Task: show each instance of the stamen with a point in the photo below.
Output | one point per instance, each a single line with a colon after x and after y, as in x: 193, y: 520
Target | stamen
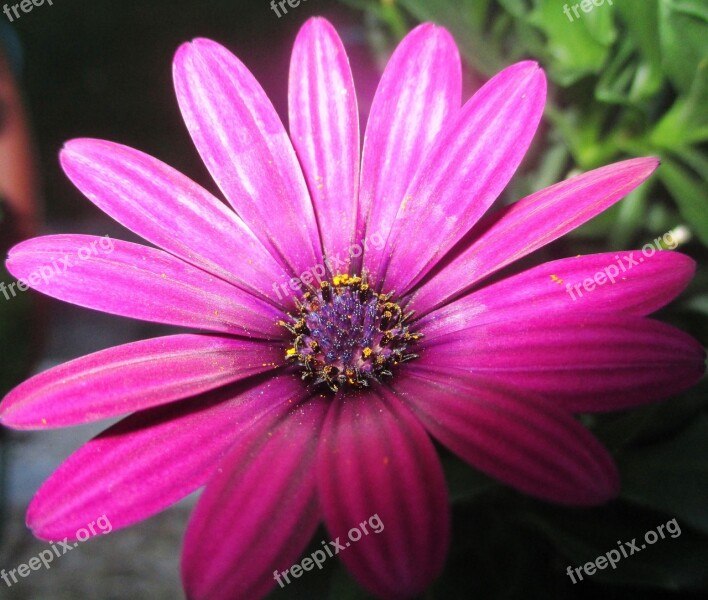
x: 345, y: 336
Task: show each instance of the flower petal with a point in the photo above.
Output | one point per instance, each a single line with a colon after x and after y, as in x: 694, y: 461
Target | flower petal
x: 375, y: 460
x: 133, y: 377
x: 135, y: 281
x: 169, y: 210
x: 531, y: 223
x: 419, y: 92
x: 469, y: 165
x: 247, y: 151
x: 324, y: 126
x: 532, y: 445
x: 552, y: 288
x: 154, y: 458
x: 581, y: 362
x: 258, y: 511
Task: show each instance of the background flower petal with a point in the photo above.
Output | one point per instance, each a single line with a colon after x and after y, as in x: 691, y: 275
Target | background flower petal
x: 580, y: 362
x: 470, y: 163
x: 258, y: 511
x: 154, y: 458
x: 136, y: 281
x: 544, y: 290
x: 247, y: 151
x: 133, y: 377
x: 324, y: 126
x: 375, y: 459
x: 171, y: 211
x: 532, y: 445
x: 531, y: 223
x: 419, y: 92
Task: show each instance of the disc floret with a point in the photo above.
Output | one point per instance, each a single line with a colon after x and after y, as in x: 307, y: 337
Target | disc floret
x: 345, y: 335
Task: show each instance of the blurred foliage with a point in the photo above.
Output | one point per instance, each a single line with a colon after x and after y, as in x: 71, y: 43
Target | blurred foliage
x: 627, y: 79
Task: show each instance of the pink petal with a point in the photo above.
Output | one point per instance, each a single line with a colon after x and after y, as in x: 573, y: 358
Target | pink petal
x: 531, y: 223
x: 418, y: 94
x: 324, y: 126
x: 469, y: 165
x: 532, y: 445
x: 377, y: 465
x: 580, y: 362
x: 135, y: 281
x: 247, y: 151
x: 258, y: 511
x: 549, y: 289
x: 154, y: 458
x: 169, y: 210
x: 133, y: 377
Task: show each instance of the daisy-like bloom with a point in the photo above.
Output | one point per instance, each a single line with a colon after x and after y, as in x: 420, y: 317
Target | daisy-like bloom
x: 346, y: 319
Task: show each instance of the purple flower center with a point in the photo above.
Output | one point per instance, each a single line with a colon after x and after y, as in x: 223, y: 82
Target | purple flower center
x: 345, y: 335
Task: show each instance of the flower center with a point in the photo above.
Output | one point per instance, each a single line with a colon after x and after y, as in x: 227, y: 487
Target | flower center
x: 345, y: 335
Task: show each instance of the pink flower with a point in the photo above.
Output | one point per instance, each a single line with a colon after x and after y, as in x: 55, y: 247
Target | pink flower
x: 316, y: 405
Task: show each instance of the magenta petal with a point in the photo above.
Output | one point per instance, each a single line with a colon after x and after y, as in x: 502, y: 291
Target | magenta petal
x: 375, y: 460
x: 133, y: 377
x: 580, y: 362
x: 135, y: 281
x: 169, y: 210
x: 549, y: 289
x: 151, y: 459
x: 469, y: 165
x: 324, y: 126
x: 258, y: 511
x: 418, y: 94
x: 532, y: 445
x: 247, y: 151
x: 531, y: 223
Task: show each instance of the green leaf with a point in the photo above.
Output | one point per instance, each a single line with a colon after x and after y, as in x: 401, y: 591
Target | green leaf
x: 690, y: 194
x: 671, y: 476
x: 686, y: 122
x: 641, y: 18
x: 576, y: 46
x: 631, y: 212
x: 683, y: 30
x: 628, y: 79
x: 698, y: 304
